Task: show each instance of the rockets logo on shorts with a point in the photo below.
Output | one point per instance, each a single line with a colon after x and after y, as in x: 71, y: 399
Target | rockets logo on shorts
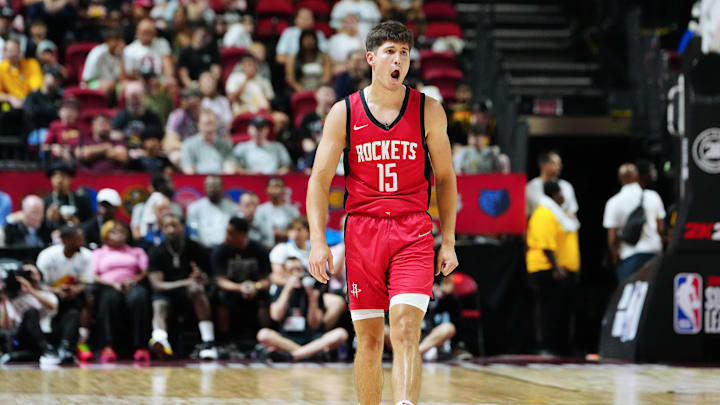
x: 355, y: 290
x: 687, y: 312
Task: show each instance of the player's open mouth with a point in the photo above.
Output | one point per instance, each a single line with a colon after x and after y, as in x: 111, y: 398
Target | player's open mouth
x: 395, y: 74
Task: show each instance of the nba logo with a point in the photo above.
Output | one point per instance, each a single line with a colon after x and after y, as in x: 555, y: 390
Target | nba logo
x: 688, y: 304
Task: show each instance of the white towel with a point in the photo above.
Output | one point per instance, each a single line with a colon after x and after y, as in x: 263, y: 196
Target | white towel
x: 568, y: 223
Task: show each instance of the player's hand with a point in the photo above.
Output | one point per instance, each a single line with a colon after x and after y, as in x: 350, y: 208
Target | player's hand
x: 320, y: 260
x: 446, y: 261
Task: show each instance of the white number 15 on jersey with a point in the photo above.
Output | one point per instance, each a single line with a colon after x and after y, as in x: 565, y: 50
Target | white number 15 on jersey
x: 384, y: 172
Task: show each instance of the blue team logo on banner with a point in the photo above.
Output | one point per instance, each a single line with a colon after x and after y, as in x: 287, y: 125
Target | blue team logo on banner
x: 688, y: 304
x: 494, y: 202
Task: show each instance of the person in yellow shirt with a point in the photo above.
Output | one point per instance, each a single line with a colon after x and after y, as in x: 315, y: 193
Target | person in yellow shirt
x: 18, y: 77
x: 553, y: 263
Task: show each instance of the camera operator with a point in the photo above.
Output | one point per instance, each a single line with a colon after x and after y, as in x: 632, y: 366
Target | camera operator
x: 26, y: 310
x: 297, y: 307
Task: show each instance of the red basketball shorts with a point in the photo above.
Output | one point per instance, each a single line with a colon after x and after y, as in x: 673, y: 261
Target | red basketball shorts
x: 386, y: 257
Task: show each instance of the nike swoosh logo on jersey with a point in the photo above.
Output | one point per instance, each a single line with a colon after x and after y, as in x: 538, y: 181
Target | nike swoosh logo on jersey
x: 355, y: 127
x: 420, y: 236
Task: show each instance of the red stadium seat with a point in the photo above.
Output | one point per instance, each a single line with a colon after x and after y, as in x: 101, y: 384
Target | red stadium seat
x: 270, y: 28
x: 324, y: 28
x: 240, y: 124
x: 274, y: 8
x: 464, y: 286
x: 87, y: 98
x: 445, y: 80
x: 229, y: 57
x: 320, y: 8
x: 443, y: 29
x: 75, y: 56
x: 431, y: 60
x: 302, y: 103
x: 440, y: 12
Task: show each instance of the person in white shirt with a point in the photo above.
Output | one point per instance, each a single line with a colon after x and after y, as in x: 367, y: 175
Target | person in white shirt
x: 289, y: 43
x: 148, y: 52
x: 260, y: 155
x: 297, y: 245
x: 367, y: 12
x: 347, y: 40
x: 631, y: 258
x: 103, y: 67
x: 550, y: 168
x: 210, y: 215
x: 259, y: 231
x: 215, y: 102
x: 277, y: 212
x: 248, y: 91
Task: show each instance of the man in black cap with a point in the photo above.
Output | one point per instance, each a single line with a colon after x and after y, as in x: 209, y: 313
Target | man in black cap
x: 64, y: 205
x: 260, y: 155
x: 41, y: 106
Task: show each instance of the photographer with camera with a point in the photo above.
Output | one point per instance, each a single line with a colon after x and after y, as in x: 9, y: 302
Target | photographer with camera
x: 26, y: 310
x: 297, y: 307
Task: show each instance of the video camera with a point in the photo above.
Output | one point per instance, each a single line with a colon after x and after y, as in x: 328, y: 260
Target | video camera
x: 10, y: 270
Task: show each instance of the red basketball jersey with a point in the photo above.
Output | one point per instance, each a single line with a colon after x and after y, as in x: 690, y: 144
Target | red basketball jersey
x: 387, y: 167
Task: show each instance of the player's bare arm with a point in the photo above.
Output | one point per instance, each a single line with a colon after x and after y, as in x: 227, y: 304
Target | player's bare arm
x: 445, y: 182
x: 326, y: 161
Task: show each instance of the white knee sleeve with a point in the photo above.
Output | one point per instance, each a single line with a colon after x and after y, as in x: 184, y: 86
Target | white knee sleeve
x: 419, y: 301
x: 359, y: 314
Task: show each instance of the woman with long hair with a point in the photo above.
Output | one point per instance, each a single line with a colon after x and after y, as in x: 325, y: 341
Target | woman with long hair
x: 310, y: 68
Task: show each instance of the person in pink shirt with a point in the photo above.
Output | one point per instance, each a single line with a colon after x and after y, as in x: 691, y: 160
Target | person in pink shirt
x: 119, y: 272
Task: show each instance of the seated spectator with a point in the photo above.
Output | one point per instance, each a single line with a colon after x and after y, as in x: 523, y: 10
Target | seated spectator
x: 99, y: 153
x: 143, y: 213
x: 26, y: 313
x: 297, y: 308
x: 208, y: 217
x: 201, y: 56
x: 183, y: 122
x: 161, y: 93
x: 218, y: 103
x: 148, y: 50
x: 151, y: 158
x: 460, y: 114
x: 355, y: 77
x: 65, y: 268
x: 38, y: 33
x: 64, y: 135
x: 41, y: 106
x: 247, y: 91
x: 240, y: 268
x: 348, y: 39
x: 27, y: 228
x: 297, y: 246
x: 103, y: 68
x: 309, y: 68
x: 118, y: 270
x: 289, y: 43
x: 259, y: 155
x: 47, y: 56
x: 178, y: 274
x: 153, y: 235
x: 64, y: 205
x: 365, y: 11
x: 276, y: 212
x: 239, y: 31
x: 130, y: 122
x: 478, y: 156
x: 310, y: 130
x: 108, y: 202
x: 206, y: 152
x: 18, y: 77
x: 259, y: 231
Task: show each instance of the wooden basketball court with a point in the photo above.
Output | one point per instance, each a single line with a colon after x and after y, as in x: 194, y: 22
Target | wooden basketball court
x: 331, y: 384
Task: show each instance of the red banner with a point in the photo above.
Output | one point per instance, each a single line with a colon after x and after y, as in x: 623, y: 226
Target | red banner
x: 488, y: 203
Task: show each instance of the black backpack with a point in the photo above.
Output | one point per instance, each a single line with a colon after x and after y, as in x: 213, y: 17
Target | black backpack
x: 631, y: 231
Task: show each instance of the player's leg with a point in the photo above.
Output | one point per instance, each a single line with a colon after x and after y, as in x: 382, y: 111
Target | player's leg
x: 405, y: 321
x: 328, y: 341
x: 273, y: 340
x: 370, y: 333
x: 437, y: 336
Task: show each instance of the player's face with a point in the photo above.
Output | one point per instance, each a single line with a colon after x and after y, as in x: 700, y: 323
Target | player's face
x: 390, y: 64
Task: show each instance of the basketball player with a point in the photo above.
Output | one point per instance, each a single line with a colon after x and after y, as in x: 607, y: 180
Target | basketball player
x: 389, y: 134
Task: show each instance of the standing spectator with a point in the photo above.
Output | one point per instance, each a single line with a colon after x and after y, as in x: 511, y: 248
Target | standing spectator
x: 18, y: 77
x: 240, y: 268
x: 209, y: 215
x: 310, y: 130
x: 289, y: 43
x: 365, y: 11
x: 355, y: 77
x: 309, y: 68
x: 148, y: 50
x: 66, y: 269
x: 201, y: 56
x: 297, y: 307
x: 130, y: 122
x: 99, y: 153
x: 63, y: 204
x: 550, y: 168
x: 247, y: 91
x: 118, y: 270
x: 632, y: 257
x: 478, y: 156
x: 206, y: 152
x: 183, y: 122
x: 27, y: 228
x: 276, y: 212
x: 259, y: 231
x: 151, y: 158
x: 297, y: 245
x: 348, y: 39
x: 259, y: 155
x: 553, y: 261
x: 103, y: 69
x: 108, y: 202
x: 178, y: 274
x: 218, y: 103
x: 64, y: 135
x: 41, y: 106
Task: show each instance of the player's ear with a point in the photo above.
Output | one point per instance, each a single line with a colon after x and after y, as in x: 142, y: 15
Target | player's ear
x: 370, y: 57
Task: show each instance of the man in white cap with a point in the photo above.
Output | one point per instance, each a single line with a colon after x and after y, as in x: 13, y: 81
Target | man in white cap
x: 108, y: 202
